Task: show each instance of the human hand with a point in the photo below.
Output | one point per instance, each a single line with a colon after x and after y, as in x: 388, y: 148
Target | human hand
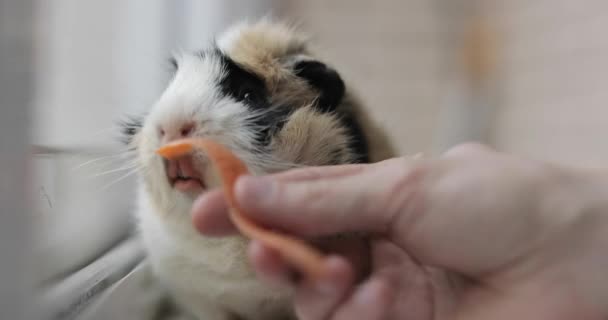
x: 518, y: 237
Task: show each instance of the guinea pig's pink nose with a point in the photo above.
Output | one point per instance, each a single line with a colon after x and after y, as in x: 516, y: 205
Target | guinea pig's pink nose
x: 170, y: 133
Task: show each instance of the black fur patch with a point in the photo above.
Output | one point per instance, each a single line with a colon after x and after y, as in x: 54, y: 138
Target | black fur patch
x: 248, y: 88
x: 331, y: 92
x: 129, y: 128
x: 358, y: 142
x: 242, y: 85
x: 336, y: 157
x: 326, y: 80
x: 271, y: 122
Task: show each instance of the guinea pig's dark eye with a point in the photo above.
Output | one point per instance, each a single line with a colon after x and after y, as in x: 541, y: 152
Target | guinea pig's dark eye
x: 251, y: 97
x: 242, y: 85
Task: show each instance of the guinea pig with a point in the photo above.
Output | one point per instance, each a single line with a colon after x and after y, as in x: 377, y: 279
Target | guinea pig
x: 259, y: 90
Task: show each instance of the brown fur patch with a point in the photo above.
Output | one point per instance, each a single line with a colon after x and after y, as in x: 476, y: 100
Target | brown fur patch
x: 312, y: 138
x: 265, y: 48
x: 268, y: 49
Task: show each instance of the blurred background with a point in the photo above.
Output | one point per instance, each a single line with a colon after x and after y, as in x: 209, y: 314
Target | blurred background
x: 527, y: 77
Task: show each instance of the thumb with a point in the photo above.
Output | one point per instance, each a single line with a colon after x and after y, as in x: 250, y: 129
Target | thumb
x: 362, y: 202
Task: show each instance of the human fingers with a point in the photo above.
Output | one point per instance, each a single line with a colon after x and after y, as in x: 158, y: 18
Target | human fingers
x: 269, y: 266
x: 372, y: 300
x: 209, y: 211
x: 318, y: 172
x: 364, y: 202
x: 469, y: 149
x: 210, y: 215
x: 317, y: 300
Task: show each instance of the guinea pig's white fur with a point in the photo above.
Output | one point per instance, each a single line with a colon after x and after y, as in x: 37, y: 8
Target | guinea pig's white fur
x: 210, y: 277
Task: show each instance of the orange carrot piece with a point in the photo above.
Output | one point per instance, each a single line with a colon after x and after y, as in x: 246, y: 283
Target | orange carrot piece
x: 302, y: 256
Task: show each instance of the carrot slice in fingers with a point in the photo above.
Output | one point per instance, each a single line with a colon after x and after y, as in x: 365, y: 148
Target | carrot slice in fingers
x: 302, y: 256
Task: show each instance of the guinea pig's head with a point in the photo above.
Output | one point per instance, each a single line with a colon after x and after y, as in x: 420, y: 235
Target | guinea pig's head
x: 258, y: 91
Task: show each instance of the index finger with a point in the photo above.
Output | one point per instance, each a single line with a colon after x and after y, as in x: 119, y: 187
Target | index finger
x: 367, y: 201
x: 210, y: 215
x: 210, y: 211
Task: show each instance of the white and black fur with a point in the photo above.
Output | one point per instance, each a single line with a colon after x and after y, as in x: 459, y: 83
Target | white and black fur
x: 258, y: 90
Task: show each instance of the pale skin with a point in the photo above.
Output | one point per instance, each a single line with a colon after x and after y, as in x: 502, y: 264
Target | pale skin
x: 472, y: 234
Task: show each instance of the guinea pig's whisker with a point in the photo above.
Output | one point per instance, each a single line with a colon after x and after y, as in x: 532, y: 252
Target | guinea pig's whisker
x: 128, y: 174
x: 111, y: 158
x: 103, y: 131
x: 115, y: 170
x: 130, y: 164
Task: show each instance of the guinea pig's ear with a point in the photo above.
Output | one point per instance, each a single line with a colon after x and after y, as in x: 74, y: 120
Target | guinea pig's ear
x: 325, y: 79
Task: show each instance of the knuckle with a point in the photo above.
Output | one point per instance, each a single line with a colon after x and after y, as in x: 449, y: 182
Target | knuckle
x: 406, y: 196
x: 312, y: 194
x: 467, y: 149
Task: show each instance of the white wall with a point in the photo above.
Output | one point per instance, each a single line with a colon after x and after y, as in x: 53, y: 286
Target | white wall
x: 554, y: 80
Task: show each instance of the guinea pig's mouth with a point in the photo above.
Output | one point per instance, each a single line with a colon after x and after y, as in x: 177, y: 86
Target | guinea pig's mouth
x: 183, y: 176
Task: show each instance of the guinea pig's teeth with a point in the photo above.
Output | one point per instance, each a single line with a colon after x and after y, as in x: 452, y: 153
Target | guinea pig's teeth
x: 181, y: 176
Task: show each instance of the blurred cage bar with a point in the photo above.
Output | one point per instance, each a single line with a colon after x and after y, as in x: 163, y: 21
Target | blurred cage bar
x: 16, y: 78
x: 526, y: 77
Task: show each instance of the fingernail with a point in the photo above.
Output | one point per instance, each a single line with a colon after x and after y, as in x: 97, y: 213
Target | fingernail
x: 258, y: 190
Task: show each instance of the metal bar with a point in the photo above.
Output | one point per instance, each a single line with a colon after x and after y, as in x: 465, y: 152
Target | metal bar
x: 71, y: 296
x: 43, y: 149
x: 16, y: 48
